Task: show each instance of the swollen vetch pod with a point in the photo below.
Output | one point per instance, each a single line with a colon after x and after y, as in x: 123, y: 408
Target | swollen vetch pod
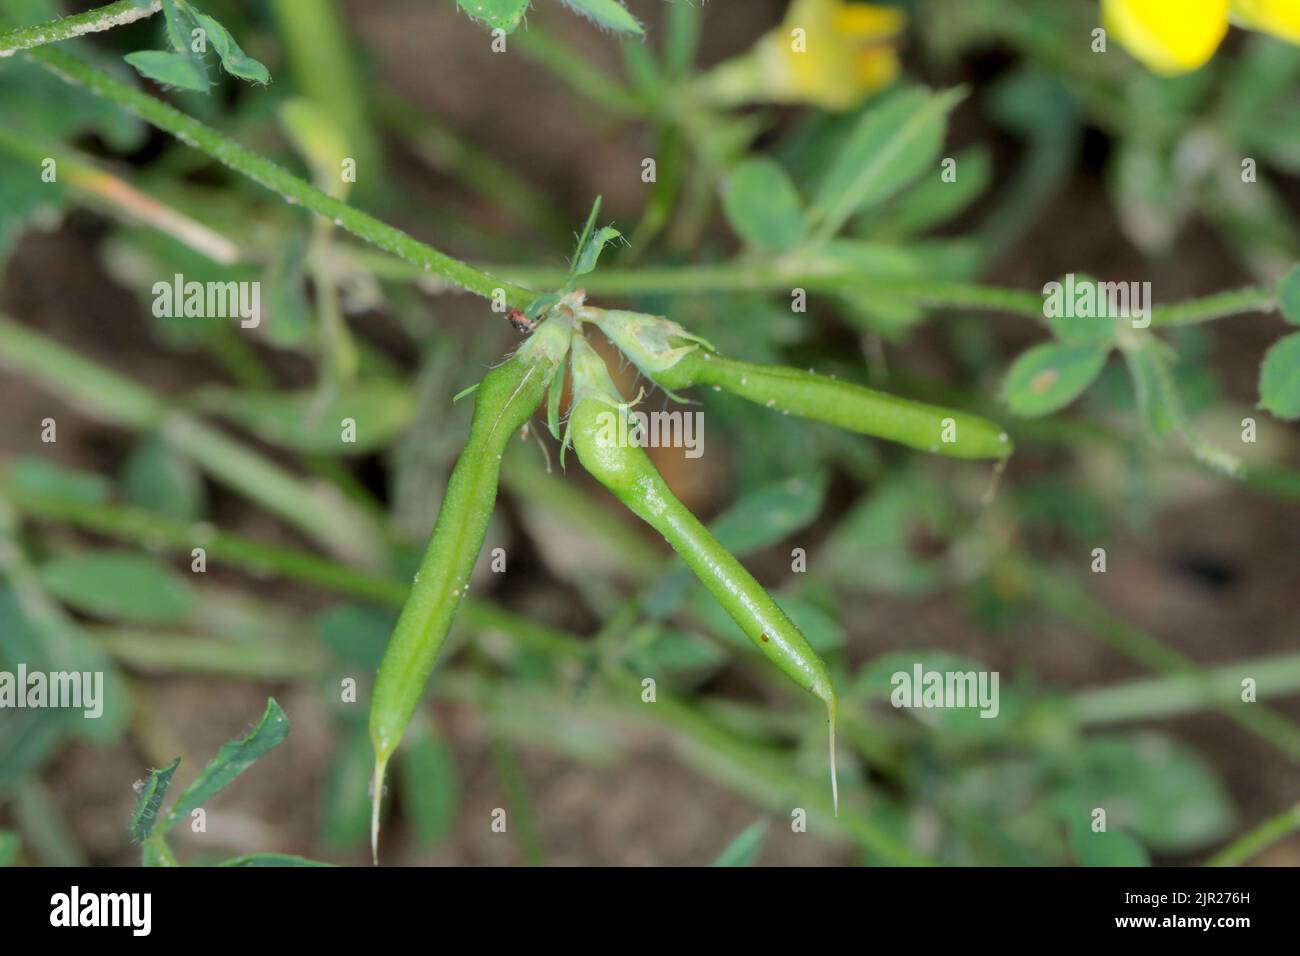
x: 626, y: 470
x: 505, y: 400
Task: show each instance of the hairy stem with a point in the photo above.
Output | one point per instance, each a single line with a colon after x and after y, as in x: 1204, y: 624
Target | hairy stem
x: 92, y: 21
x: 263, y: 171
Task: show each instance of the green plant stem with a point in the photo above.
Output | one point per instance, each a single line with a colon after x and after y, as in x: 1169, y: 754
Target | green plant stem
x: 1263, y: 836
x: 66, y: 28
x: 293, y: 190
x: 784, y: 275
x: 152, y: 652
x: 1159, y: 697
x: 317, y: 510
x: 1062, y: 596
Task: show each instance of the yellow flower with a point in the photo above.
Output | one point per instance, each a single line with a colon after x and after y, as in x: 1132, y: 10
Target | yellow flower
x: 1278, y: 17
x: 828, y: 53
x: 1177, y: 36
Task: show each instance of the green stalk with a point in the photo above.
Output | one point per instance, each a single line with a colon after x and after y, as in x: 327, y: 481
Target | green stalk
x: 1072, y: 603
x: 66, y: 28
x: 317, y: 510
x: 1263, y: 836
x: 1160, y: 697
x: 293, y: 190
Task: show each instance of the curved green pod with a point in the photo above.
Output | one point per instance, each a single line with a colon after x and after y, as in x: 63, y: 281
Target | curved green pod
x: 627, y: 471
x: 673, y: 359
x: 506, y: 399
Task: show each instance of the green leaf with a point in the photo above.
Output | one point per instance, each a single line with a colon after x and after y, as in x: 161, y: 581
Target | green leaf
x: 427, y: 773
x: 356, y: 634
x: 1279, y: 378
x: 232, y: 759
x: 169, y: 69
x: 609, y: 14
x: 542, y: 304
x: 589, y: 254
x: 319, y: 138
x: 38, y: 478
x: 301, y: 421
x: 1148, y: 375
x: 1155, y: 787
x: 1288, y: 295
x: 763, y: 206
x: 234, y: 60
x: 9, y: 846
x: 770, y: 514
x: 156, y: 479
x: 1086, y: 326
x: 345, y: 810
x: 681, y: 37
x: 119, y: 585
x: 745, y: 848
x: 1107, y: 848
x: 271, y: 859
x: 892, y: 145
x: 151, y: 799
x: 1049, y: 377
x: 934, y: 200
x: 497, y: 14
x: 23, y: 195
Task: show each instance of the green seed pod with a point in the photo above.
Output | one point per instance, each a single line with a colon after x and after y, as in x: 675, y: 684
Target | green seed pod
x: 674, y: 360
x: 627, y: 471
x: 505, y: 400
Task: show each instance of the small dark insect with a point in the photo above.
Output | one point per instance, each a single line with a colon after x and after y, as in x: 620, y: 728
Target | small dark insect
x: 765, y: 638
x: 520, y: 321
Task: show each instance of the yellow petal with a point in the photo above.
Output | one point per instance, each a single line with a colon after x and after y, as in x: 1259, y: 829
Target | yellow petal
x: 877, y: 68
x: 867, y: 22
x: 1169, y: 36
x: 1278, y: 17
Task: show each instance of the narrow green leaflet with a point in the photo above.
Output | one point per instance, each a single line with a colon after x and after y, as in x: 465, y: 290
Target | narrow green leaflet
x: 119, y: 585
x: 234, y: 60
x: 352, y: 420
x: 1049, y: 377
x: 1279, y: 378
x: 1288, y: 295
x: 497, y: 14
x: 150, y: 803
x: 745, y: 848
x: 938, y: 197
x: 156, y: 479
x: 169, y: 69
x: 345, y: 801
x: 609, y: 14
x: 1080, y: 324
x: 427, y: 775
x: 893, y: 145
x: 1148, y: 376
x: 231, y: 760
x: 763, y: 206
x: 38, y: 478
x: 770, y: 514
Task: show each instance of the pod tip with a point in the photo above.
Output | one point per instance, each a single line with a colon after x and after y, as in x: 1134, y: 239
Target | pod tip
x: 375, y: 798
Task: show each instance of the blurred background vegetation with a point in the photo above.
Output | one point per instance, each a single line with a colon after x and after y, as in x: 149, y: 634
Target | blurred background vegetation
x: 1118, y: 690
